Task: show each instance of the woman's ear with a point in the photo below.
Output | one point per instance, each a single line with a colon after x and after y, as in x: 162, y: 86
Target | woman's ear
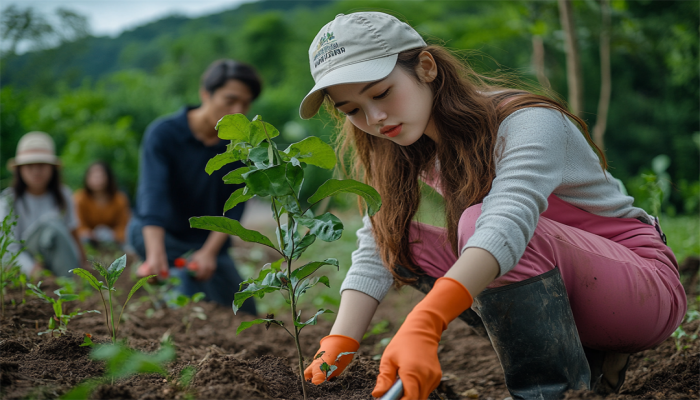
x: 427, y: 67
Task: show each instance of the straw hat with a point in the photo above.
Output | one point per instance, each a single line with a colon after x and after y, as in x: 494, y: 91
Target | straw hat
x: 34, y: 148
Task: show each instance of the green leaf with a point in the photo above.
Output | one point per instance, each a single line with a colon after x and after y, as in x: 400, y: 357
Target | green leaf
x: 253, y: 289
x: 233, y: 127
x: 82, y: 391
x: 68, y: 297
x: 305, y: 285
x: 199, y: 296
x: 116, y: 269
x: 218, y: 161
x: 231, y: 227
x: 186, y: 375
x: 334, y: 186
x: 247, y: 324
x: 40, y: 293
x: 269, y: 182
x: 257, y: 132
x: 236, y: 198
x: 234, y: 177
x: 345, y: 353
x: 313, y: 151
x: 57, y: 309
x: 101, y: 269
x: 239, y: 298
x: 261, y: 156
x: 295, y: 178
x: 289, y: 203
x: 324, y: 280
x: 308, y: 269
x: 118, y: 265
x: 136, y: 287
x: 88, y: 277
x: 302, y: 245
x: 326, y: 227
x: 292, y: 238
x: 272, y: 280
x: 313, y: 320
x: 180, y: 301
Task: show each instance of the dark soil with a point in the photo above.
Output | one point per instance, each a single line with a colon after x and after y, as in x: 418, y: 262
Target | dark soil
x: 261, y: 364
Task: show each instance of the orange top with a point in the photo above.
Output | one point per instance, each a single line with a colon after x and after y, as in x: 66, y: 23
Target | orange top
x: 114, y: 214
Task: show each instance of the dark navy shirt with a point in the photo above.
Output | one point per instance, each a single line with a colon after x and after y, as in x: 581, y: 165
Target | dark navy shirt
x: 173, y: 185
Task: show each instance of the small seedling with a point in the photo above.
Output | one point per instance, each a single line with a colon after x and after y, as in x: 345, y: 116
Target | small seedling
x: 59, y: 321
x: 87, y: 340
x: 121, y: 362
x: 110, y: 275
x: 329, y: 369
x: 279, y: 175
x: 10, y: 272
x: 182, y: 301
x: 679, y: 334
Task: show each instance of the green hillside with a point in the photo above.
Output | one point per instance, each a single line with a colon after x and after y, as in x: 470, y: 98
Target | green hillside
x: 97, y: 95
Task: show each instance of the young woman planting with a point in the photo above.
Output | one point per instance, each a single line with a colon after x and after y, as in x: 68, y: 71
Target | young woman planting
x: 45, y: 216
x: 567, y: 276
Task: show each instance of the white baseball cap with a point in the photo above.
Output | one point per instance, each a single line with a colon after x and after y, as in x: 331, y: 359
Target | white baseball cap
x: 358, y: 47
x: 34, y: 148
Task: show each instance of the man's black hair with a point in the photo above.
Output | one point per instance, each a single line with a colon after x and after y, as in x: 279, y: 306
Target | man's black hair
x: 221, y: 71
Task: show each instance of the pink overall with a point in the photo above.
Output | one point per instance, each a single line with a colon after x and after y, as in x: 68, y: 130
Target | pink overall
x: 621, y: 279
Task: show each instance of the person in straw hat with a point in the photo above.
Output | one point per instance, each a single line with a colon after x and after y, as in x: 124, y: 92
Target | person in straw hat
x: 566, y: 275
x: 46, y: 219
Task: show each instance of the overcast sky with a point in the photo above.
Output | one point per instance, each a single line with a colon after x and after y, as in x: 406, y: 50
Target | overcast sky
x: 111, y: 17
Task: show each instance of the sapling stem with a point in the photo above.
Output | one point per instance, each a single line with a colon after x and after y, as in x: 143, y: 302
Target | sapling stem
x: 106, y: 310
x: 111, y: 312
x: 296, y: 339
x: 279, y: 227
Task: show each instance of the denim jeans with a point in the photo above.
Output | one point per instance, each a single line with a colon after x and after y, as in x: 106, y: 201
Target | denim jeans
x: 222, y: 285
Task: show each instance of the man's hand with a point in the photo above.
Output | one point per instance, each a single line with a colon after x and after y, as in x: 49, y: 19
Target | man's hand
x: 156, y: 264
x: 205, y: 262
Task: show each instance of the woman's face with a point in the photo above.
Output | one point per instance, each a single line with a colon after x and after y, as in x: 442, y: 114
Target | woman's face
x: 396, y: 108
x: 36, y: 176
x: 96, y: 179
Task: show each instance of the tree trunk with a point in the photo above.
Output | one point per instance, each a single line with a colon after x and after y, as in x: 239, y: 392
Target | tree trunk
x: 538, y: 61
x: 573, y: 62
x: 605, y: 78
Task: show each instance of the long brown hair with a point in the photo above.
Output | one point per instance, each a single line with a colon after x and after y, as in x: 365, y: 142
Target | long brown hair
x: 111, y: 188
x: 467, y: 111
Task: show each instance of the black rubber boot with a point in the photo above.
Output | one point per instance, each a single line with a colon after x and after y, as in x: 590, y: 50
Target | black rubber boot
x: 424, y: 283
x: 608, y: 370
x: 534, y: 334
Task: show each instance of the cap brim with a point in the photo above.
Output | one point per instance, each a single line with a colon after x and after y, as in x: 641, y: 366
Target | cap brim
x: 366, y: 71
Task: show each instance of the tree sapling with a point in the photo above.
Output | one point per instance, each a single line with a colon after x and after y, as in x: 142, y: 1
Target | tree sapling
x: 268, y: 172
x: 111, y: 275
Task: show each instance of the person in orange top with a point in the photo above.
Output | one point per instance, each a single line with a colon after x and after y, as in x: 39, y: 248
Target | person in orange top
x: 103, y: 211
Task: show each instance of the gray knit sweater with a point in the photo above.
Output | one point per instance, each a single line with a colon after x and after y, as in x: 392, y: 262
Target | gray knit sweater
x: 538, y: 152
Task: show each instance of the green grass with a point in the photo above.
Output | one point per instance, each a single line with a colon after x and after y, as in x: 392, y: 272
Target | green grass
x: 682, y: 235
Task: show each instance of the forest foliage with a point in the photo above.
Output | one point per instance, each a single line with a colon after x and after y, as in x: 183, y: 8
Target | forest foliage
x: 96, y: 95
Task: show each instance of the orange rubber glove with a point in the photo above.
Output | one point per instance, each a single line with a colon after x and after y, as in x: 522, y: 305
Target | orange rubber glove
x: 332, y: 345
x: 412, y: 353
